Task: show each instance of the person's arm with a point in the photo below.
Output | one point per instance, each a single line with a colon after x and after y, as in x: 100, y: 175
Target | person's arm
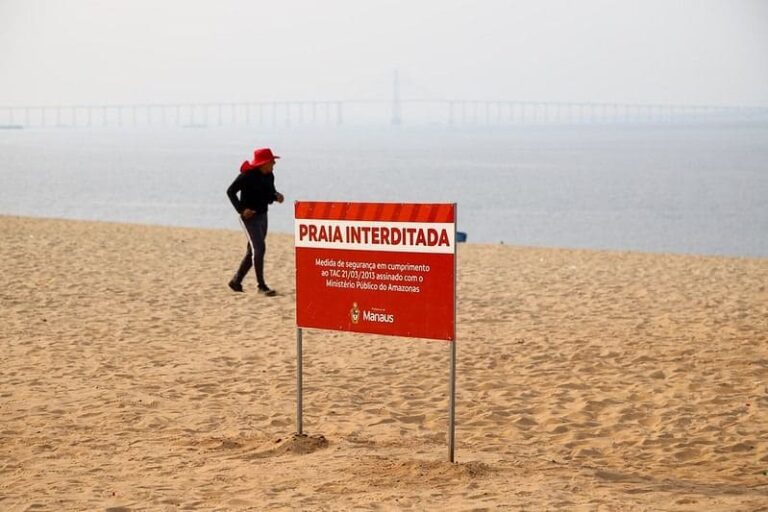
x: 275, y: 196
x: 232, y: 191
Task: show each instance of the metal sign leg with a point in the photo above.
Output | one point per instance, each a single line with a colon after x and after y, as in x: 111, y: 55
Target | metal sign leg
x: 299, y: 384
x: 452, y: 405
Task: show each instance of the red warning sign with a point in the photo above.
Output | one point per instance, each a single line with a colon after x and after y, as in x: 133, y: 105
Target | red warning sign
x: 380, y: 268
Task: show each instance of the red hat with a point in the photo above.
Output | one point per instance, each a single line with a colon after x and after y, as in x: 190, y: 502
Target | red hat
x: 260, y: 157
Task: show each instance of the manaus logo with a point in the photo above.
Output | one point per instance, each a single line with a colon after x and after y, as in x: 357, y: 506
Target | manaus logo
x: 379, y: 318
x: 370, y: 316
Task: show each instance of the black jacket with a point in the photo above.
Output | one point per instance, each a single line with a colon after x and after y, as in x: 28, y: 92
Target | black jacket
x: 257, y: 191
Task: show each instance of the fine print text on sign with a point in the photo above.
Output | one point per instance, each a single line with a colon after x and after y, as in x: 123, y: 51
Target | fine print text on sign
x: 382, y: 268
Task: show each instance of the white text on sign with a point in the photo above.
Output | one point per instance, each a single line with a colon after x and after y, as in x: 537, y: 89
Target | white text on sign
x: 375, y: 236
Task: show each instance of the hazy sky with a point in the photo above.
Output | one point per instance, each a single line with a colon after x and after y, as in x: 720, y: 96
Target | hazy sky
x: 644, y: 51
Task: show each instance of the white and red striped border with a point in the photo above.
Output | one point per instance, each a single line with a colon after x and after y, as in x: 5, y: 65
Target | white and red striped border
x: 379, y: 212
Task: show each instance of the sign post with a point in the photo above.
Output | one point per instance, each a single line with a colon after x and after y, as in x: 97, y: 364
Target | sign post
x: 378, y: 268
x: 299, y: 384
x: 452, y: 403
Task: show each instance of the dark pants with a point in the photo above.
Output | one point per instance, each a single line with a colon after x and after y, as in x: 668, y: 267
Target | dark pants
x: 256, y: 232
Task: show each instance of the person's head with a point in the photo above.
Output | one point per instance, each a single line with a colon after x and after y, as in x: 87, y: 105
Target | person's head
x: 263, y: 160
x: 267, y: 167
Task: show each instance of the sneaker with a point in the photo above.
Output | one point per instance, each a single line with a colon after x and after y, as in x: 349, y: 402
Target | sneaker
x: 236, y: 287
x: 266, y: 290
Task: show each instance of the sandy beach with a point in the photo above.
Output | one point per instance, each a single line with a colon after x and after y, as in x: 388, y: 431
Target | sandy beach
x: 132, y: 378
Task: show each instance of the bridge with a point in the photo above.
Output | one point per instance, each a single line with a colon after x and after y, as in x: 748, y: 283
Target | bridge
x: 394, y: 111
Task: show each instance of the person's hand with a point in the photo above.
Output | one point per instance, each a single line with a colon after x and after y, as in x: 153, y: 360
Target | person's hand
x: 247, y: 213
x: 279, y: 197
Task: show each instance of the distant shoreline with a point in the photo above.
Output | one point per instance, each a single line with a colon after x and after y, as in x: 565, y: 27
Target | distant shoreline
x: 284, y: 234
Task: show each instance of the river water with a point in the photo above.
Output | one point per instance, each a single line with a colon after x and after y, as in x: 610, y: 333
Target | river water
x: 679, y: 189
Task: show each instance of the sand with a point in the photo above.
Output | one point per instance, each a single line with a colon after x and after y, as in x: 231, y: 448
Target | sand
x: 132, y: 378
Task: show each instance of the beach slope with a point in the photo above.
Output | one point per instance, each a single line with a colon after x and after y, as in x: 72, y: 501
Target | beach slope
x: 132, y: 378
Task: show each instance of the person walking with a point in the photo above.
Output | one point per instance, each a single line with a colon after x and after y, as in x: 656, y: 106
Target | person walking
x: 256, y: 186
